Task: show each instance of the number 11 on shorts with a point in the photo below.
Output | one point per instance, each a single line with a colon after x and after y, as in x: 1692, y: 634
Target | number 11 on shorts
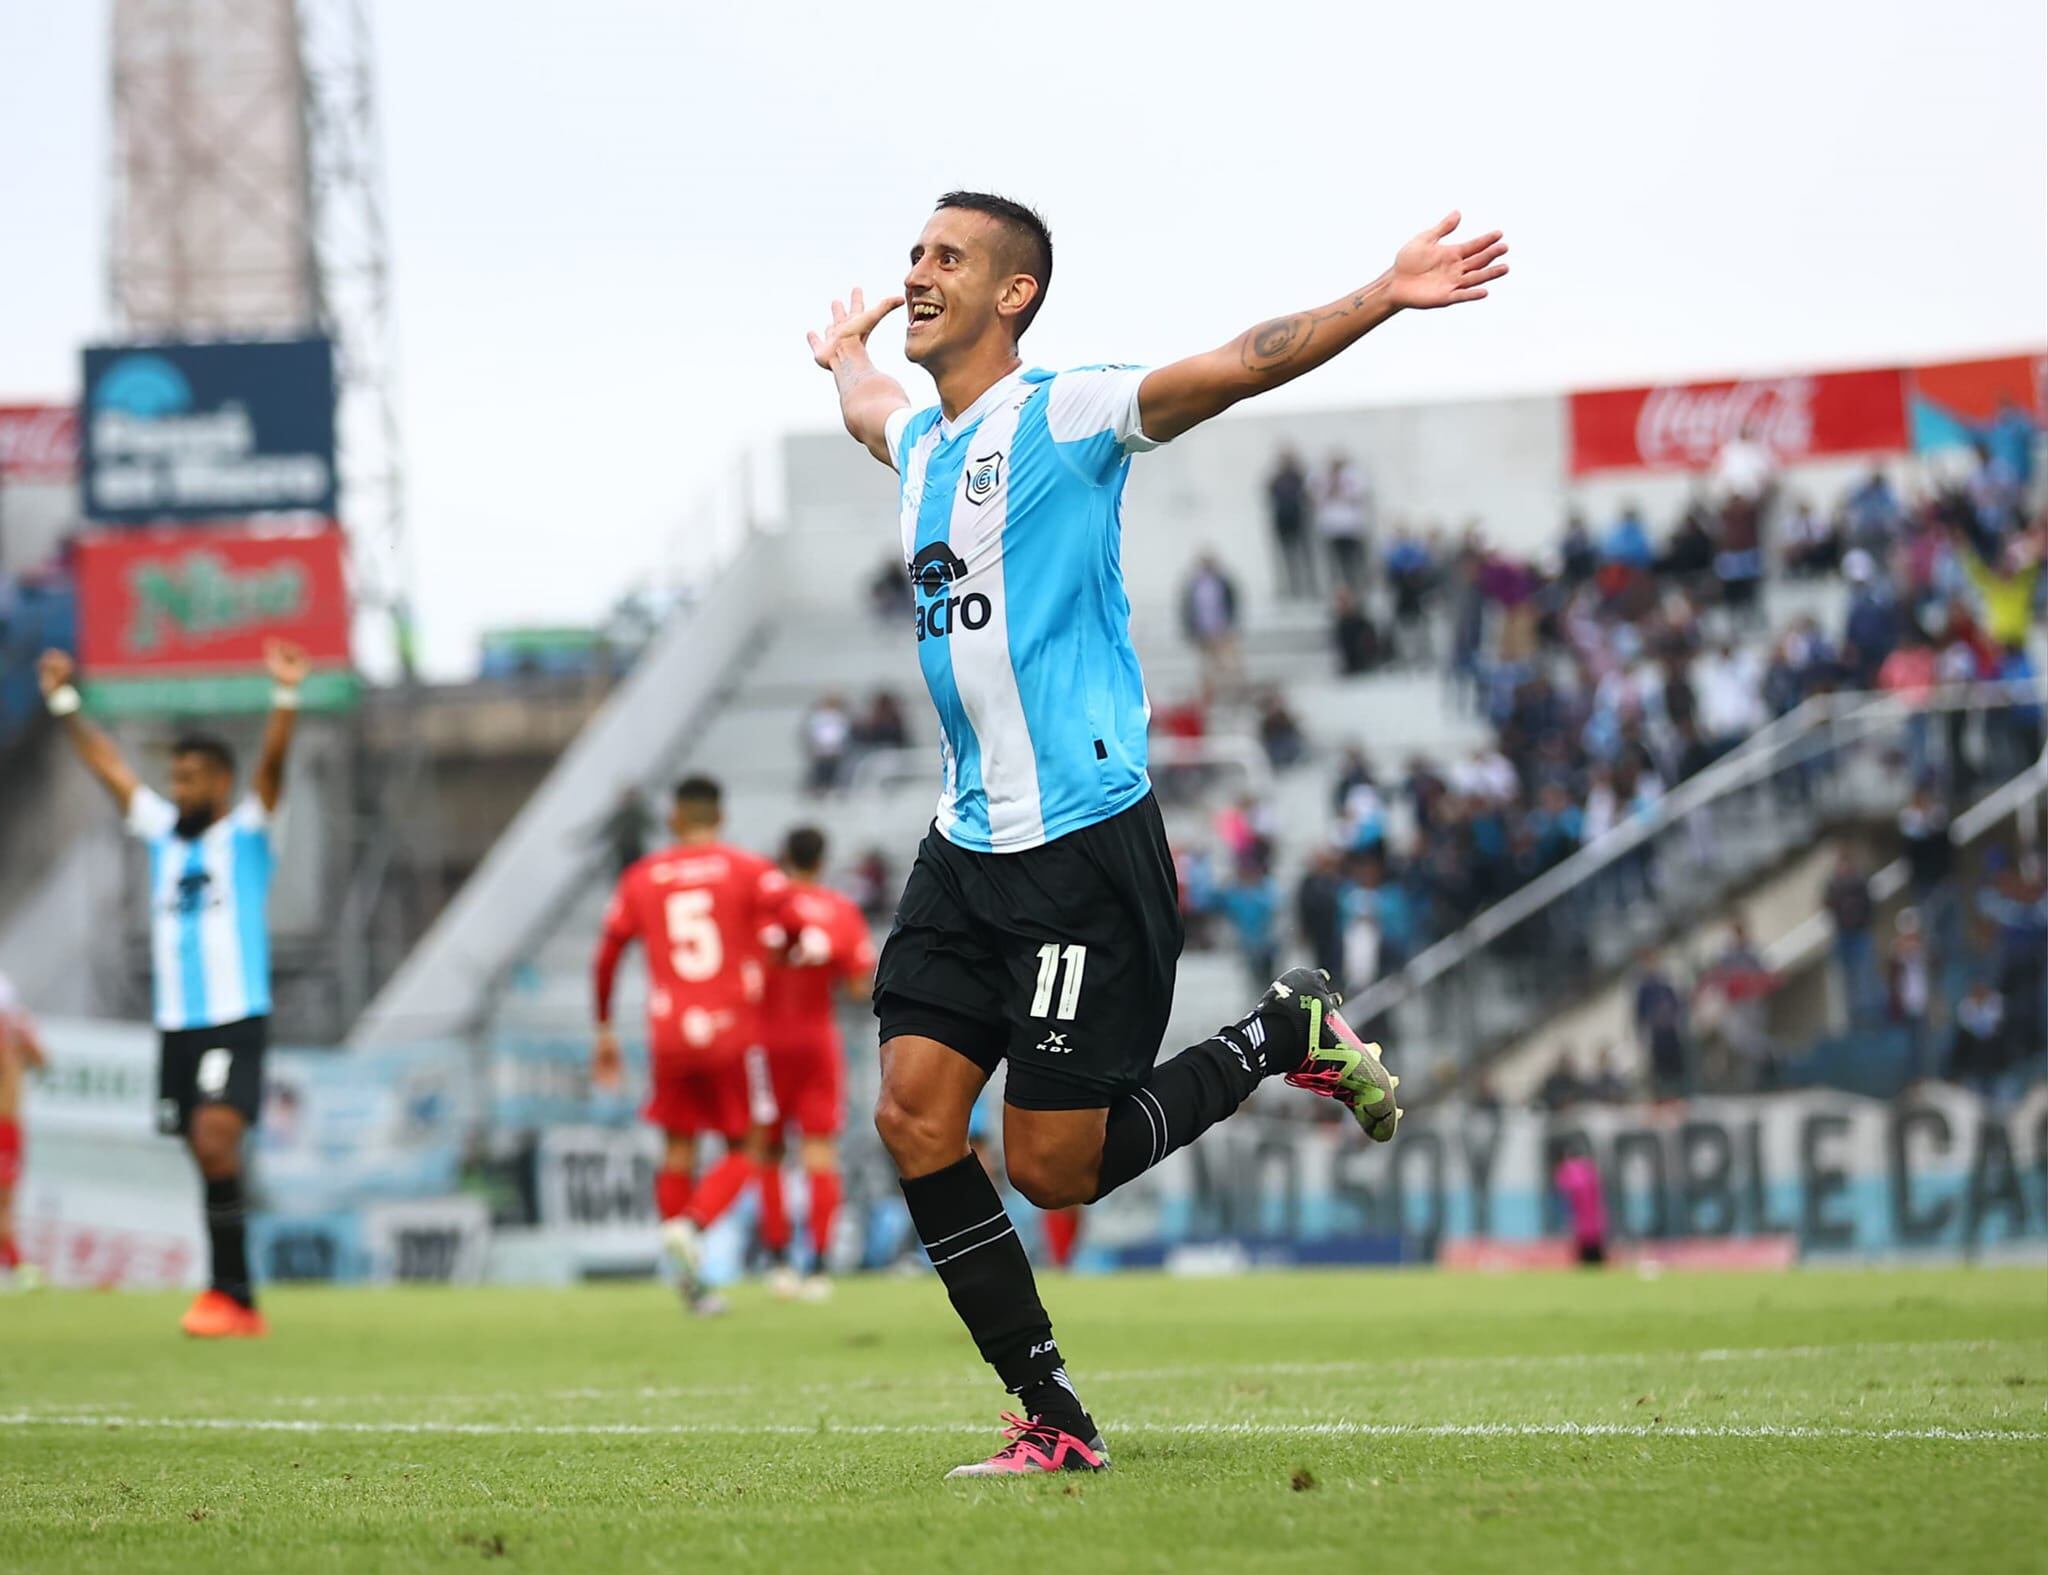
x: 1049, y: 975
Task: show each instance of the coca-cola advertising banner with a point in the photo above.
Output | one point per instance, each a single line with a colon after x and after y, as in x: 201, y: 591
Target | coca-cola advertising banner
x: 1683, y: 426
x: 178, y: 619
x: 38, y: 442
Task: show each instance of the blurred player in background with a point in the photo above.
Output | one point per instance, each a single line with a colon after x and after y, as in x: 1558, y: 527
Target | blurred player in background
x: 699, y: 909
x: 1040, y: 925
x: 21, y: 1052
x: 210, y: 860
x: 828, y: 952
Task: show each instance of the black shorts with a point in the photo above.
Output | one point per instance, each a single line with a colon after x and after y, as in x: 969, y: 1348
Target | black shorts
x: 210, y: 1066
x: 1060, y: 958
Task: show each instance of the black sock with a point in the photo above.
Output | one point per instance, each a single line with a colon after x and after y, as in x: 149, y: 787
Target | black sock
x: 1185, y: 1097
x: 974, y: 1247
x: 228, y: 1230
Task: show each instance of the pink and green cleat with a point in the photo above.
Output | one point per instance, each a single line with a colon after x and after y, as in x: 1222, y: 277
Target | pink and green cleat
x: 1335, y: 1062
x: 1034, y: 1446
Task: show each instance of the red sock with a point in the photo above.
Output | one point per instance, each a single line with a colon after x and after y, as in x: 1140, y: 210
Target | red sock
x: 671, y: 1192
x: 774, y: 1211
x: 1062, y: 1230
x: 721, y: 1184
x: 10, y: 1255
x: 825, y: 1192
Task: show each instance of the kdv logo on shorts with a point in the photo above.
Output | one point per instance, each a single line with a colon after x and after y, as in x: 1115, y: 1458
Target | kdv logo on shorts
x: 938, y: 614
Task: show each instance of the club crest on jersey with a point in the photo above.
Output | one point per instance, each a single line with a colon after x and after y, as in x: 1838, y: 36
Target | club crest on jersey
x: 984, y: 475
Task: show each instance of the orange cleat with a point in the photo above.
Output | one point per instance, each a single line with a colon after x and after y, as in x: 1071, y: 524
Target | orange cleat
x: 214, y: 1315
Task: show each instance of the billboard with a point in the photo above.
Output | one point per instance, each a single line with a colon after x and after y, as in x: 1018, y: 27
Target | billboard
x: 206, y: 431
x: 1955, y: 403
x: 38, y: 443
x: 177, y: 619
x: 1684, y: 426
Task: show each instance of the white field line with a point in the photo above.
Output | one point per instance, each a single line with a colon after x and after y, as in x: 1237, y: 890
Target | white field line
x: 1334, y: 1429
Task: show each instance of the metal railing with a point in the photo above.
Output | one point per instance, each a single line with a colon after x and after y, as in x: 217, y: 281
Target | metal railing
x: 1830, y: 761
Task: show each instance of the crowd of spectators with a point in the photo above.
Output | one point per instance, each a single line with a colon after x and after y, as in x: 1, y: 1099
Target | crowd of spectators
x: 836, y: 737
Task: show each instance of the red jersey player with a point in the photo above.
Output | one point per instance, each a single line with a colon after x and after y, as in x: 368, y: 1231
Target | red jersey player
x: 699, y: 908
x: 827, y: 948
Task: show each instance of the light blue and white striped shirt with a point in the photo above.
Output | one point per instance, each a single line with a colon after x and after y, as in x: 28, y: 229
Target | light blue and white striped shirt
x: 1012, y: 531
x: 209, y: 913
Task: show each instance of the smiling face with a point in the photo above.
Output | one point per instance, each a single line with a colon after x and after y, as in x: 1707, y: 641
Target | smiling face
x: 963, y: 289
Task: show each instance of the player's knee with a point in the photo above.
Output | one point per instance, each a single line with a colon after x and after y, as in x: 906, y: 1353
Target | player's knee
x: 915, y: 1139
x: 1048, y: 1183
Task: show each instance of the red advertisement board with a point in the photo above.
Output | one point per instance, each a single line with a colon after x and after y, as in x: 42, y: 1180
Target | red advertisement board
x: 195, y: 605
x: 38, y: 442
x: 1683, y: 426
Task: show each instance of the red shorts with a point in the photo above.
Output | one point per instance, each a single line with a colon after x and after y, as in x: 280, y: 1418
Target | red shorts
x: 810, y: 1086
x: 10, y: 1151
x: 725, y: 1096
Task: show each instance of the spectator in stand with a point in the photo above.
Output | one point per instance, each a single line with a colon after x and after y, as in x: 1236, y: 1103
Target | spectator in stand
x: 827, y: 735
x: 1981, y: 1056
x: 1813, y: 544
x: 1612, y: 1085
x: 889, y: 594
x: 1561, y: 1087
x: 1287, y: 508
x: 1660, y: 1024
x: 1688, y: 557
x: 2016, y: 904
x: 1729, y: 682
x: 624, y: 830
x: 1181, y: 728
x: 1908, y: 675
x: 870, y: 887
x: 1871, y: 514
x: 1578, y: 556
x: 1909, y: 994
x: 2011, y: 437
x: 2004, y: 579
x: 1251, y: 906
x: 1627, y: 541
x: 1319, y: 911
x: 1739, y: 985
x: 2013, y: 732
x: 1872, y: 626
x: 1930, y: 869
x: 1411, y: 577
x: 1343, y: 518
x: 1280, y: 734
x: 1353, y: 634
x: 884, y: 725
x: 1208, y: 617
x: 1853, y: 911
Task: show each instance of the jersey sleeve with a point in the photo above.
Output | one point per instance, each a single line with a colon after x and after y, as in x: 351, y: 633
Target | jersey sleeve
x: 250, y: 815
x: 150, y: 814
x: 892, y: 432
x: 1092, y: 416
x: 857, y: 959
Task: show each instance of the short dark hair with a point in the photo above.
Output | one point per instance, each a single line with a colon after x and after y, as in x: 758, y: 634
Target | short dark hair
x: 1030, y: 240
x: 804, y: 848
x: 214, y: 751
x: 700, y: 797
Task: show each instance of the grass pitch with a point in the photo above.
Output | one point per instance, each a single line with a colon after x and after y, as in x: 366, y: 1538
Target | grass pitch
x: 1398, y: 1421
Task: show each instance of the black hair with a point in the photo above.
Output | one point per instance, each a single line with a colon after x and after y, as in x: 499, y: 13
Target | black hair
x: 700, y: 796
x: 1031, y: 241
x: 214, y: 751
x: 804, y: 848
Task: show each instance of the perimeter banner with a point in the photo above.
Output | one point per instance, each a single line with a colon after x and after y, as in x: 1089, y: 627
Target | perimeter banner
x: 177, y: 619
x: 1684, y: 426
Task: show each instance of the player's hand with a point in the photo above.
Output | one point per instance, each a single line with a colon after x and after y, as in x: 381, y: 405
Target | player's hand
x: 54, y: 669
x: 288, y: 663
x: 851, y: 325
x: 607, y: 1066
x: 1433, y: 270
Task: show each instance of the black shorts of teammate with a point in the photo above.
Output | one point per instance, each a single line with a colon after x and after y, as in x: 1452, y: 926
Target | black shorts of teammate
x: 1060, y: 958
x: 211, y: 1066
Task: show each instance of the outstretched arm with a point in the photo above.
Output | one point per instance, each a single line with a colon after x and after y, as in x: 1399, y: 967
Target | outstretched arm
x: 288, y: 667
x: 1429, y: 271
x: 867, y: 398
x: 102, y: 756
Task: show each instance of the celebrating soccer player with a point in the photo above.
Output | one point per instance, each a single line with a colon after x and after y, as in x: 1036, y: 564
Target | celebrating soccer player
x: 828, y: 949
x: 1040, y: 921
x: 700, y: 909
x: 210, y: 860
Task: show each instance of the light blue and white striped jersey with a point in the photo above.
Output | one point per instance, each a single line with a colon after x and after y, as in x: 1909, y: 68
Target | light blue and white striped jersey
x: 209, y: 913
x: 1012, y: 532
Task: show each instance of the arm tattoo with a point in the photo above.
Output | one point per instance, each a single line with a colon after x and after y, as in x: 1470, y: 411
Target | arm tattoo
x: 1274, y: 344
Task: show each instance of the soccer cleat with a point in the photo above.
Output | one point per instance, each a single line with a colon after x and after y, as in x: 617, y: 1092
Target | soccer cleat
x: 684, y: 1244
x: 1035, y: 1446
x: 784, y: 1283
x: 215, y: 1315
x: 815, y: 1288
x: 1335, y: 1062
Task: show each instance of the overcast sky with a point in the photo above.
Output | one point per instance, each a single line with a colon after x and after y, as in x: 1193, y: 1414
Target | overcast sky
x: 612, y: 222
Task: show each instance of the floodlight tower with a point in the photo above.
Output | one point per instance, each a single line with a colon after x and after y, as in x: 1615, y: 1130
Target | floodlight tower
x: 248, y: 200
